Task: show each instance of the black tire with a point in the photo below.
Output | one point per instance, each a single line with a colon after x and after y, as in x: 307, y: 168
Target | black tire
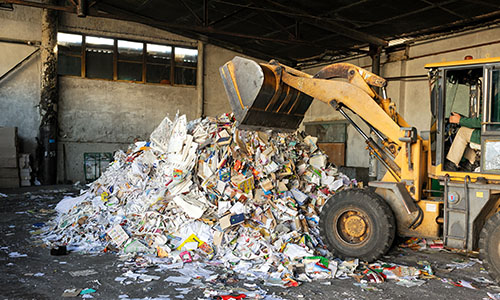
x: 489, y: 246
x: 357, y: 223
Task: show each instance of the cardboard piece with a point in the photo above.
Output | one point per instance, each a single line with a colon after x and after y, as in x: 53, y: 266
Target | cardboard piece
x: 225, y: 222
x: 218, y: 236
x: 193, y: 206
x: 267, y: 185
x: 299, y: 196
x: 223, y: 138
x: 282, y: 187
x: 71, y: 292
x: 311, y: 142
x: 245, y: 184
x: 318, y: 161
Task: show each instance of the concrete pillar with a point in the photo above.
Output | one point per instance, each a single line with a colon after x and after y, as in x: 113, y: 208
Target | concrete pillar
x: 48, y: 97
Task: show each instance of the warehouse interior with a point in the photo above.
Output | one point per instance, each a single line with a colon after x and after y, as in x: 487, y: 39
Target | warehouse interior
x: 81, y: 80
x: 106, y: 110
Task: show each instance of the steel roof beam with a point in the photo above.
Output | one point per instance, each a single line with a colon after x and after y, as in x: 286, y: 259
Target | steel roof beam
x: 330, y: 25
x: 198, y: 19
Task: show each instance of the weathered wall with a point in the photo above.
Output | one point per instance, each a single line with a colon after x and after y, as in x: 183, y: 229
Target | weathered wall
x: 20, y: 90
x: 102, y: 115
x: 121, y: 29
x: 19, y: 95
x: 216, y: 101
x: 97, y: 115
x: 411, y: 96
x: 22, y: 23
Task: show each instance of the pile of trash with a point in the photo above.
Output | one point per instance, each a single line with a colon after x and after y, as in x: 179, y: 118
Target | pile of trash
x: 203, y: 194
x: 204, y: 190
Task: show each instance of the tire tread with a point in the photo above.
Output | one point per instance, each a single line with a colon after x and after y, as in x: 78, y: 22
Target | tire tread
x: 377, y: 203
x: 488, y: 228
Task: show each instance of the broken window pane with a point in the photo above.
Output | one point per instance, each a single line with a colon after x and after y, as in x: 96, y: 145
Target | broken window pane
x: 99, y: 63
x: 186, y: 61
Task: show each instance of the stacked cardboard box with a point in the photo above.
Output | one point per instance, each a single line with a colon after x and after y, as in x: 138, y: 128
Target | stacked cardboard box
x: 9, y: 171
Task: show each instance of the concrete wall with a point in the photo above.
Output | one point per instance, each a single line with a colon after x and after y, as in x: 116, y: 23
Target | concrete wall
x: 216, y: 101
x: 99, y: 115
x: 20, y: 90
x: 20, y: 93
x: 102, y: 115
x: 411, y: 96
x: 96, y: 115
x: 23, y: 23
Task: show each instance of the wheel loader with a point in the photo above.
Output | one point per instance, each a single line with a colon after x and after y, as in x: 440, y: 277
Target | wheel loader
x: 420, y: 195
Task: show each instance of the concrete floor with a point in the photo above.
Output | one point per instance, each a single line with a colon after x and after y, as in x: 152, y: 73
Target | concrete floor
x: 42, y: 276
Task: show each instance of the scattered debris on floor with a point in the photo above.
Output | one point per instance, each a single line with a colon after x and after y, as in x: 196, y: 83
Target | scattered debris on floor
x: 203, y: 196
x: 202, y: 191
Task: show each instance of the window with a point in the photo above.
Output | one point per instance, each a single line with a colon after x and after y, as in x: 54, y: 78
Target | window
x: 158, y: 63
x: 185, y: 65
x: 327, y: 132
x: 99, y: 59
x: 495, y: 99
x: 69, y: 47
x: 5, y: 6
x: 130, y: 60
x: 332, y: 138
x: 116, y: 59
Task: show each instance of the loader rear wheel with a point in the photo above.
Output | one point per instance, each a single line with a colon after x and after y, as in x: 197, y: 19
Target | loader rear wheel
x: 357, y: 223
x: 489, y: 246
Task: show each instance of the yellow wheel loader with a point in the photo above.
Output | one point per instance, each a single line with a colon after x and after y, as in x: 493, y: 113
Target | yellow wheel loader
x: 419, y: 196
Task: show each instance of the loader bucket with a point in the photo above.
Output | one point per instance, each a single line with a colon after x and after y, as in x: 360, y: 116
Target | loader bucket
x: 259, y: 99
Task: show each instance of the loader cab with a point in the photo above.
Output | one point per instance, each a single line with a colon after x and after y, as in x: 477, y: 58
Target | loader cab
x: 469, y: 89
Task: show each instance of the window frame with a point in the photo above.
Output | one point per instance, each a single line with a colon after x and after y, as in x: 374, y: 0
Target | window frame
x: 143, y: 62
x: 172, y: 64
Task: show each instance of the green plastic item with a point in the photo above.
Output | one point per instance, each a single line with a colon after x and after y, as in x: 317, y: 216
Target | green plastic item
x: 435, y: 186
x: 87, y: 291
x: 323, y: 260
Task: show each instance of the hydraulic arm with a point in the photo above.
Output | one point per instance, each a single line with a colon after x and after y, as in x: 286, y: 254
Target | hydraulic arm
x: 277, y: 96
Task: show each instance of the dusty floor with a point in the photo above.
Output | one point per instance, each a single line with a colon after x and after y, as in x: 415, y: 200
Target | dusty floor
x: 42, y: 276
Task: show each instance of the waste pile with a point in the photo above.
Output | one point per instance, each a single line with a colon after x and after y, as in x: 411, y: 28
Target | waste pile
x: 204, y: 189
x: 203, y: 193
